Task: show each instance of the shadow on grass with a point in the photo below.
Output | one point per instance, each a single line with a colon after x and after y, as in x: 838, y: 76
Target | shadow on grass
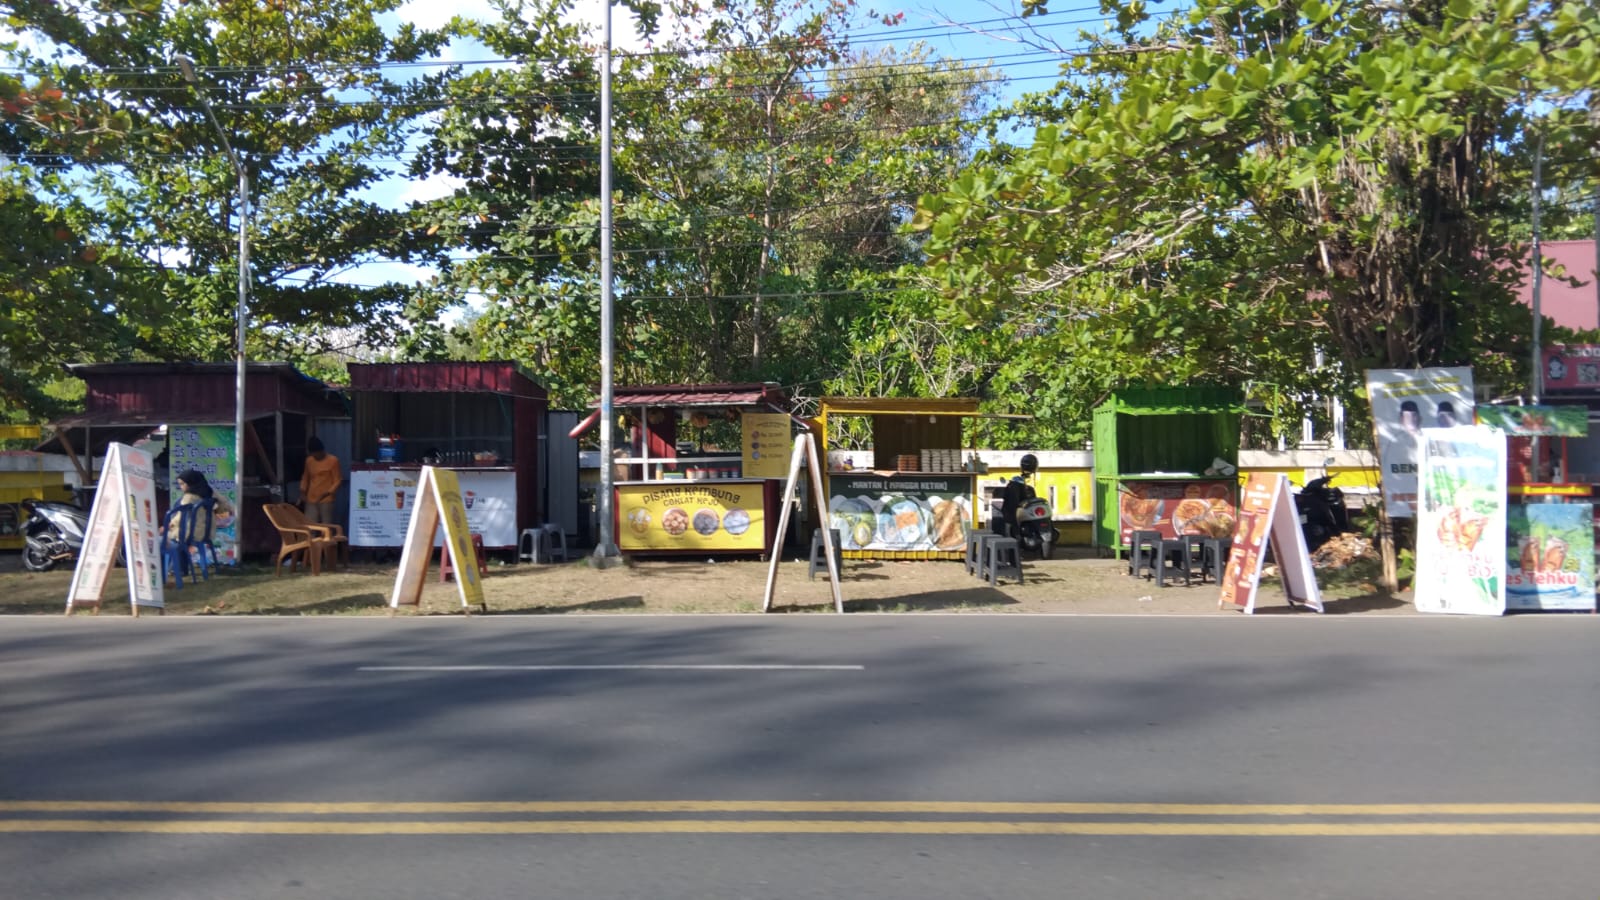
x: 330, y: 606
x: 978, y: 596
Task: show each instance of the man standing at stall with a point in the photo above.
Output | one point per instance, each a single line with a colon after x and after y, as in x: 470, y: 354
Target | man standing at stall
x: 319, y: 482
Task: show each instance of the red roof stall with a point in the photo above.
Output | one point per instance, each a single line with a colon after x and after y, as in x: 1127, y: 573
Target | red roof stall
x: 483, y: 419
x: 700, y: 468
x: 195, y: 404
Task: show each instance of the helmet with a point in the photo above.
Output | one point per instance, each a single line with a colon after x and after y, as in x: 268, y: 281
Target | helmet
x: 1030, y: 463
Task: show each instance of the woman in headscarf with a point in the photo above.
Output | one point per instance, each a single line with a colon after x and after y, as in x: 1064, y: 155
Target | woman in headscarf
x: 196, y: 490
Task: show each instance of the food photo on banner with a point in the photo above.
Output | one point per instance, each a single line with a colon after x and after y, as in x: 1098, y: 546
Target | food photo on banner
x: 1404, y: 401
x: 1461, y: 522
x: 871, y: 513
x: 209, y: 450
x: 1550, y: 556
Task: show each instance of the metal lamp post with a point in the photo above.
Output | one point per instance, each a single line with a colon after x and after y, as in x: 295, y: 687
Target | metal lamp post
x: 187, y: 65
x: 605, y: 551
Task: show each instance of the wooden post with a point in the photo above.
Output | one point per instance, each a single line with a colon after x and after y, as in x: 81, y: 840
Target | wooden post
x: 1386, y: 549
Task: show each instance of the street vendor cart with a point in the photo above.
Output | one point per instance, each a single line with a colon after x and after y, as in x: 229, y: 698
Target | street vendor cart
x: 485, y: 420
x: 700, y: 468
x: 1165, y: 461
x: 916, y: 499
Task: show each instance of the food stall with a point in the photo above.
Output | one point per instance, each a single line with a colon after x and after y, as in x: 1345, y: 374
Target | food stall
x: 1165, y: 460
x: 917, y: 496
x: 484, y: 420
x: 700, y: 468
x: 189, y: 409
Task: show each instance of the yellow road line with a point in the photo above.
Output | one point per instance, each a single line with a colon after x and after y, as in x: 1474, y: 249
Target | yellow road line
x: 817, y: 806
x: 813, y: 826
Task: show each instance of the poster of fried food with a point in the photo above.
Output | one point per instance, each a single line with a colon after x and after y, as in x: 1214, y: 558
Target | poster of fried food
x: 1175, y: 508
x: 1461, y: 522
x: 1550, y: 556
x: 699, y: 516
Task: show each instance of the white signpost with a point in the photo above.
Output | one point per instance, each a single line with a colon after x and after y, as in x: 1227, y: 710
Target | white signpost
x: 805, y: 450
x: 438, y: 502
x: 124, y: 511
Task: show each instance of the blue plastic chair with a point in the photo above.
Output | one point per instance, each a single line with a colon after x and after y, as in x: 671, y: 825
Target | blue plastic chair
x: 197, y: 545
x: 175, y: 552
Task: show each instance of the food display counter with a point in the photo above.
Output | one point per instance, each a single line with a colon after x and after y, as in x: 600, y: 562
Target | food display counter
x: 700, y: 468
x: 918, y: 496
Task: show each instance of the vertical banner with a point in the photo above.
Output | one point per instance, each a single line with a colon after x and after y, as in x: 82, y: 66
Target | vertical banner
x: 1461, y: 522
x: 438, y: 501
x: 1404, y: 401
x: 1550, y: 556
x: 123, y: 514
x: 1267, y: 517
x: 209, y: 450
x: 765, y: 439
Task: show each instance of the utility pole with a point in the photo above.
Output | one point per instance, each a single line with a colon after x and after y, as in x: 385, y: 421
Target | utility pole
x: 605, y: 551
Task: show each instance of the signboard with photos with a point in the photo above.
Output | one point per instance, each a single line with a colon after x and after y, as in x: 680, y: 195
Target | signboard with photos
x: 1461, y: 522
x: 123, y: 515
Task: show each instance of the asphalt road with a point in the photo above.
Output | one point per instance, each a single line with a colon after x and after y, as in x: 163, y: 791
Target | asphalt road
x: 857, y: 756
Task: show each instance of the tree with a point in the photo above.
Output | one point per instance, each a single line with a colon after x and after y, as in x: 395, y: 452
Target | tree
x: 1246, y: 183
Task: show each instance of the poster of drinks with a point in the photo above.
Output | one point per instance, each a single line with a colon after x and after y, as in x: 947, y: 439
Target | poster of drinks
x: 1461, y: 521
x: 1550, y: 556
x: 1404, y: 401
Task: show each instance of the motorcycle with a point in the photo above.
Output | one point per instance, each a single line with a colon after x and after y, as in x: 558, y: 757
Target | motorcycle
x: 1322, y: 512
x: 52, y: 535
x: 1034, y: 531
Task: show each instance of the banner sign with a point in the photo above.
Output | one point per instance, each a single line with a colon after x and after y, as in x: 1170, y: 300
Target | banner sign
x: 1403, y: 402
x: 1176, y: 508
x: 123, y: 512
x: 766, y: 444
x: 915, y: 512
x: 1461, y: 523
x: 209, y: 450
x: 381, y: 502
x: 692, y: 515
x: 1571, y: 367
x: 438, y: 502
x: 1541, y: 421
x: 1267, y: 517
x: 1550, y: 556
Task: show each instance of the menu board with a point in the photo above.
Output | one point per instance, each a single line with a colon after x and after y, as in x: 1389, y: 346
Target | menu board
x: 692, y: 515
x: 381, y: 502
x: 914, y: 512
x: 1267, y: 518
x: 1461, y: 522
x: 1550, y: 556
x: 766, y: 444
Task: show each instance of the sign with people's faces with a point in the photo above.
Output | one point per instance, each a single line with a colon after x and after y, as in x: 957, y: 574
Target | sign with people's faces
x: 1404, y: 401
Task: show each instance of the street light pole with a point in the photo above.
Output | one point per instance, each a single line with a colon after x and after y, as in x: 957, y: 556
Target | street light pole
x: 242, y: 314
x: 605, y: 551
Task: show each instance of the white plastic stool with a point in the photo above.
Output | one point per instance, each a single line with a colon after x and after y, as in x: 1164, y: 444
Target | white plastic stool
x: 528, y: 544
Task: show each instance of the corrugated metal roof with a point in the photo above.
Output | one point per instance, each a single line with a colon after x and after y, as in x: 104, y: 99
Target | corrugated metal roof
x: 687, y: 395
x: 445, y: 377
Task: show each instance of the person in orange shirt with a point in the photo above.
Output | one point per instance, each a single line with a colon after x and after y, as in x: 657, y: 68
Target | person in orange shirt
x: 319, y: 482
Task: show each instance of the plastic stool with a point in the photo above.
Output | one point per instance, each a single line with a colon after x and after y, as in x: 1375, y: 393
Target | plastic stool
x: 552, y: 540
x: 446, y: 569
x: 528, y: 544
x: 1175, y: 552
x: 1004, y: 558
x: 1142, y: 547
x: 977, y: 541
x: 819, y: 553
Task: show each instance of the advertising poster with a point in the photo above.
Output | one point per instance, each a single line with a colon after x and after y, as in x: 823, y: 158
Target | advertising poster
x: 1530, y: 421
x: 1268, y: 518
x: 1571, y: 367
x: 457, y: 533
x: 872, y: 512
x: 766, y: 444
x: 1175, y: 508
x: 1550, y: 556
x: 118, y: 517
x: 381, y: 503
x: 1404, y: 401
x: 209, y: 450
x: 693, y: 515
x: 1461, y: 522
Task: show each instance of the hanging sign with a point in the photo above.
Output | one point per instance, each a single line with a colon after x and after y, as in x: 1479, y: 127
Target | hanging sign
x: 1550, y: 556
x: 1571, y: 367
x: 766, y: 444
x: 438, y: 502
x: 1541, y: 421
x: 1461, y: 522
x: 123, y: 513
x: 1267, y: 514
x: 1403, y: 401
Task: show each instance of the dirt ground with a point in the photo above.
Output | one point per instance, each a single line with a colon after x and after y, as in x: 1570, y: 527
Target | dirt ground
x: 1078, y: 581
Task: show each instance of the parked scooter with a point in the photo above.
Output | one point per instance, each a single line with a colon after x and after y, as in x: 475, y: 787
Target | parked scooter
x: 1034, y: 530
x: 1323, y: 514
x: 52, y: 535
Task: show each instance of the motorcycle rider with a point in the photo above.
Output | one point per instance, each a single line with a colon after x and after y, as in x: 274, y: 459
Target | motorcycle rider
x: 1016, y: 491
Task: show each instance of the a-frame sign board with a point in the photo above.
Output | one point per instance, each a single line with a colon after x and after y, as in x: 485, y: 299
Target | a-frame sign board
x: 438, y: 503
x: 1267, y: 513
x: 805, y: 450
x: 123, y: 512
